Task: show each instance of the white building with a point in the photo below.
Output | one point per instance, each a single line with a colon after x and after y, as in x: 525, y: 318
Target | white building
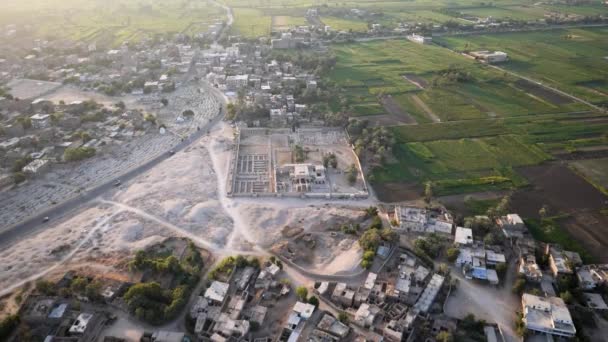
x: 420, y: 220
x: 464, y: 236
x: 410, y: 218
x: 416, y: 38
x: 304, y: 310
x: 237, y: 82
x: 36, y: 166
x: 547, y: 316
x: 40, y: 121
x: 285, y: 42
x: 490, y: 56
x: 366, y: 315
x: 81, y: 323
x: 216, y: 293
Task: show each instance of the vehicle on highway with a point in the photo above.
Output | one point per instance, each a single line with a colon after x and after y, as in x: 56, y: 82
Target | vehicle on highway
x: 117, y: 183
x: 171, y: 152
x: 46, y: 219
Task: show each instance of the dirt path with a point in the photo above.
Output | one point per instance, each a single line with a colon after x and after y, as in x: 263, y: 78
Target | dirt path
x: 213, y: 247
x: 426, y: 109
x: 486, y: 302
x: 98, y: 226
x: 391, y: 106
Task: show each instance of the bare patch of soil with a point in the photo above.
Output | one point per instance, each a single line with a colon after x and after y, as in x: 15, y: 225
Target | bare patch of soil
x: 543, y: 93
x: 564, y: 192
x: 398, y: 192
x: 395, y: 109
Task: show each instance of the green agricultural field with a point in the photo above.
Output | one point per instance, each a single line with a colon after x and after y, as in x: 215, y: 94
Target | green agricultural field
x: 594, y: 171
x: 507, y: 12
x: 251, y: 22
x: 109, y: 22
x: 574, y: 60
x: 340, y: 24
x: 480, y: 155
x: 283, y: 22
x: 368, y: 70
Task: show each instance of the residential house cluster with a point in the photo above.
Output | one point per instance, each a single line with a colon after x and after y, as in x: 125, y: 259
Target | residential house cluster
x: 226, y: 308
x: 423, y: 220
x: 388, y: 303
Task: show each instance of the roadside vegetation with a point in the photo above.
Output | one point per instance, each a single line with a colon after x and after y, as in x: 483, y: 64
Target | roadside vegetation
x: 151, y: 302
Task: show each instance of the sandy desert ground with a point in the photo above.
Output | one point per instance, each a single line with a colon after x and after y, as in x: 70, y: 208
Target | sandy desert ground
x: 183, y: 196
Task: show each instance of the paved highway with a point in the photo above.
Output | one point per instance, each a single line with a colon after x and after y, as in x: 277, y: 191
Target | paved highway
x: 35, y: 222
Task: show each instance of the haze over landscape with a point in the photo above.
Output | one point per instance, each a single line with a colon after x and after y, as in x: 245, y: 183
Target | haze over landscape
x: 303, y: 170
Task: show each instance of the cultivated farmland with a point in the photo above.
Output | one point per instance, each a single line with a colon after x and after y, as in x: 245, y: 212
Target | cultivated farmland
x: 110, y: 22
x: 572, y: 60
x: 474, y: 125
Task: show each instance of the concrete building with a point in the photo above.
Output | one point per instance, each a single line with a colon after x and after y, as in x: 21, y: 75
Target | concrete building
x: 562, y: 262
x: 410, y: 218
x: 512, y: 226
x: 9, y: 144
x: 463, y: 237
x: 490, y: 56
x: 475, y: 261
x: 366, y: 315
x: 236, y: 82
x: 548, y: 316
x: 595, y: 301
x: 416, y: 38
x: 36, y: 167
x: 40, y: 121
x: 216, y: 293
x: 331, y: 325
x: 529, y: 268
x: 302, y: 177
x: 587, y: 279
x: 420, y: 220
x: 167, y: 336
x: 285, y: 42
x: 429, y: 294
x: 227, y: 326
x: 80, y: 325
x: 342, y: 295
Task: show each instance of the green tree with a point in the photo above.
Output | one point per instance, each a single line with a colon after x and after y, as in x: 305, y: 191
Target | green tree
x: 79, y: 284
x: 428, y: 191
x: 19, y: 177
x: 567, y: 297
x: 314, y: 301
x: 519, y: 286
x: 542, y: 212
x: 444, y: 336
x: 371, y: 211
x: 78, y: 153
x: 8, y: 325
x: 452, y: 253
x: 351, y: 174
x: 93, y: 290
x: 343, y: 317
x: 370, y: 240
x: 46, y: 287
x: 302, y: 293
x: 389, y: 235
x: 501, y: 269
x: 369, y: 255
x: 376, y: 223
